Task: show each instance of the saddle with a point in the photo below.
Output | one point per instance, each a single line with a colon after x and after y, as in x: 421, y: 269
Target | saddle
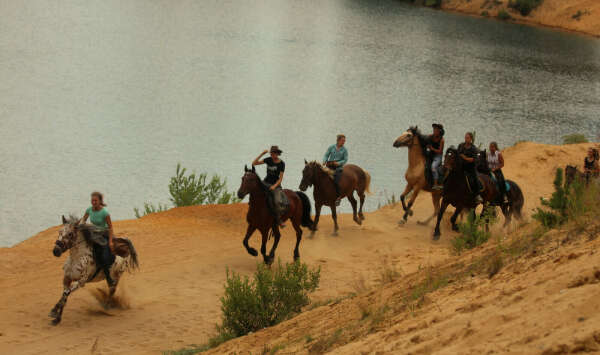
x: 282, y: 203
x: 97, y: 236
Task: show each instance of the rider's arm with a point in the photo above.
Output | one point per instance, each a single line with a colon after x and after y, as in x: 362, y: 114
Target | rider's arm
x: 110, y: 233
x: 278, y: 182
x: 257, y: 161
x: 326, y: 156
x: 500, y: 161
x: 344, y: 159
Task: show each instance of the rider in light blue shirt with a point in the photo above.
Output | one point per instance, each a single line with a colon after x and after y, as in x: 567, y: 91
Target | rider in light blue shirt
x: 335, y: 157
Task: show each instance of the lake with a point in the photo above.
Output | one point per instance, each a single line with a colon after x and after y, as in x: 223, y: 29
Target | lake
x: 111, y: 95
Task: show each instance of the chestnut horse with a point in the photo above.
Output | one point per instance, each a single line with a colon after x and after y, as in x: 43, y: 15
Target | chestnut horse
x: 353, y: 179
x: 259, y: 217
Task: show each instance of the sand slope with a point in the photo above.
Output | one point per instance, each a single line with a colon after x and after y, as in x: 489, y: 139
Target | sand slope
x: 551, y: 13
x: 173, y: 301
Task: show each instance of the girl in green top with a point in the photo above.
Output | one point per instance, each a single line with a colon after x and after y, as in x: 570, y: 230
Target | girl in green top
x: 100, y: 217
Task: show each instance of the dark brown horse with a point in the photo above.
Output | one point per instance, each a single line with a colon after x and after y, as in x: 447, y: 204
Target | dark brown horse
x: 573, y: 174
x: 353, y: 179
x: 456, y: 192
x: 259, y: 217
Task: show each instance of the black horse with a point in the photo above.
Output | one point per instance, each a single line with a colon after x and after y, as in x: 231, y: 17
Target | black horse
x: 456, y: 193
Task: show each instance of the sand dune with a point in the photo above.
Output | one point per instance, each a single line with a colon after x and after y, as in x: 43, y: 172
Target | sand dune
x: 173, y: 301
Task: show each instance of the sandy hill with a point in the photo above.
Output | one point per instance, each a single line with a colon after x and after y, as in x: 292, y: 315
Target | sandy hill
x: 173, y: 301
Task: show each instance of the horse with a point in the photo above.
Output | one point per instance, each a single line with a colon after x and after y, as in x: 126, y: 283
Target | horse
x: 456, y: 192
x: 573, y: 174
x: 80, y: 266
x: 415, y: 174
x: 259, y: 217
x: 320, y: 177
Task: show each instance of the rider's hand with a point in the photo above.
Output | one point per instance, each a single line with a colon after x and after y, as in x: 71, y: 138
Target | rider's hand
x: 111, y: 245
x: 272, y: 187
x: 265, y: 152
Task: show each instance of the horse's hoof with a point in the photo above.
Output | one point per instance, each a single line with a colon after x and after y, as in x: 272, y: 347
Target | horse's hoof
x: 455, y: 228
x: 358, y: 221
x: 410, y: 212
x: 55, y: 321
x: 436, y: 236
x: 252, y: 252
x: 401, y: 222
x: 361, y: 216
x: 269, y: 261
x: 334, y: 234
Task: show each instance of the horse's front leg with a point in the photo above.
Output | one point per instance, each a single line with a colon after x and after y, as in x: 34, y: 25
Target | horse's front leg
x: 360, y: 209
x: 455, y: 217
x: 436, y: 233
x: 408, y: 211
x: 277, y: 235
x: 407, y: 190
x: 318, y: 207
x: 249, y: 232
x: 354, y: 214
x: 68, y: 287
x: 263, y: 246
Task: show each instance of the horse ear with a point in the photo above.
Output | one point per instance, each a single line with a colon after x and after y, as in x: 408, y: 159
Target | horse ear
x: 305, y: 162
x: 64, y: 220
x: 245, y: 168
x: 253, y: 170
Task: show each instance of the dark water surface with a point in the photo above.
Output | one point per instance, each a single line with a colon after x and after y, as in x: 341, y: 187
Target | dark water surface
x: 111, y: 95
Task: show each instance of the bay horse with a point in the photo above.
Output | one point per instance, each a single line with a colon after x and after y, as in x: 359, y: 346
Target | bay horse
x: 81, y: 267
x: 572, y: 174
x: 415, y: 174
x: 259, y: 217
x: 353, y: 179
x: 456, y: 192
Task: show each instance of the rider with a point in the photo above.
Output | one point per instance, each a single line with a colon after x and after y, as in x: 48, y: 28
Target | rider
x: 495, y: 162
x: 99, y: 216
x: 275, y: 170
x: 591, y: 167
x: 335, y: 157
x: 436, y: 147
x: 468, y: 153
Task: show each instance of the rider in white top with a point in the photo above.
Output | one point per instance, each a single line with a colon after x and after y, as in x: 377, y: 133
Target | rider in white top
x: 495, y: 162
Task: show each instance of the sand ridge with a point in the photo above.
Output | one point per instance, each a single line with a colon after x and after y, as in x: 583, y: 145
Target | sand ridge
x: 173, y: 301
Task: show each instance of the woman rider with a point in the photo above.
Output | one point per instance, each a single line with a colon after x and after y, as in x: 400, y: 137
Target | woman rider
x: 468, y: 153
x: 495, y: 162
x: 275, y: 170
x: 99, y: 216
x: 590, y: 165
x: 436, y: 147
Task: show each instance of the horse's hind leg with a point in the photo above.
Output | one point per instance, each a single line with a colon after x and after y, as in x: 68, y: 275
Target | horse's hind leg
x: 361, y: 196
x: 263, y: 246
x: 353, y: 203
x: 407, y: 190
x: 335, y: 224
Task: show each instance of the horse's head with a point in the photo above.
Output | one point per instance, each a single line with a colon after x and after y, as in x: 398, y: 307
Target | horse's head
x: 570, y: 174
x: 406, y: 139
x: 66, y: 236
x: 308, y: 175
x: 451, y: 159
x: 250, y: 182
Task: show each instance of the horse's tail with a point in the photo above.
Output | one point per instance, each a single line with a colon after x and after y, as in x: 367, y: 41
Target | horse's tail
x: 517, y: 200
x: 306, y: 220
x: 368, y: 182
x: 133, y: 257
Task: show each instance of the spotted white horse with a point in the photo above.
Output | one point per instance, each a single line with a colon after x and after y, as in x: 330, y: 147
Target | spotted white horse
x: 80, y: 266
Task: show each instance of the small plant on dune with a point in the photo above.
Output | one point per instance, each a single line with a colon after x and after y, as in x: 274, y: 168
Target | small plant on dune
x: 554, y: 211
x: 524, y: 6
x: 503, y: 15
x: 433, y: 3
x: 149, y: 208
x: 272, y: 296
x: 473, y: 231
x: 574, y: 138
x: 195, y: 190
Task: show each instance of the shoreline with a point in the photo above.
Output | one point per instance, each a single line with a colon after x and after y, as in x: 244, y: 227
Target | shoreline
x: 550, y: 14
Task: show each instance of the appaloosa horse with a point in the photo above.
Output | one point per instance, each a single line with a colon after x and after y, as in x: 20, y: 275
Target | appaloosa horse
x: 415, y: 174
x: 81, y: 267
x: 259, y: 217
x: 353, y: 179
x: 457, y: 193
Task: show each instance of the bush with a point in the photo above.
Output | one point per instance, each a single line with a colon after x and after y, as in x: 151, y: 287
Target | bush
x: 193, y: 190
x: 555, y: 212
x: 484, y: 13
x: 272, y: 296
x: 524, y: 6
x: 574, y: 138
x: 473, y: 232
x: 503, y: 15
x: 149, y: 208
x: 433, y: 3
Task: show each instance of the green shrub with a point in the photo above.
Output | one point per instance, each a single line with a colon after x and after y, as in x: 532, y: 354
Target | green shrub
x: 485, y: 13
x: 473, y: 232
x: 433, y: 3
x: 194, y: 189
x: 149, y: 208
x: 272, y: 296
x: 555, y: 211
x: 574, y: 138
x: 524, y: 6
x: 503, y: 15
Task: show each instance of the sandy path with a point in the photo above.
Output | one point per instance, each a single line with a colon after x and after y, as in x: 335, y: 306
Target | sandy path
x: 174, y: 298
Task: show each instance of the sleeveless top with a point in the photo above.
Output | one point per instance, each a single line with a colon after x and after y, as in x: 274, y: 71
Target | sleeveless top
x: 493, y: 160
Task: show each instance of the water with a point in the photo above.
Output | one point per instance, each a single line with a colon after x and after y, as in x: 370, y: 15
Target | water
x: 111, y: 95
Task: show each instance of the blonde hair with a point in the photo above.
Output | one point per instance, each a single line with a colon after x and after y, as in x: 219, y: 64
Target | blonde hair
x: 100, y: 197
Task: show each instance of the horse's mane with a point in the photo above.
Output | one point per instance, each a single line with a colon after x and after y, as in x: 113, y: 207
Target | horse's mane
x: 323, y: 168
x: 87, y: 229
x: 261, y: 183
x: 422, y: 138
